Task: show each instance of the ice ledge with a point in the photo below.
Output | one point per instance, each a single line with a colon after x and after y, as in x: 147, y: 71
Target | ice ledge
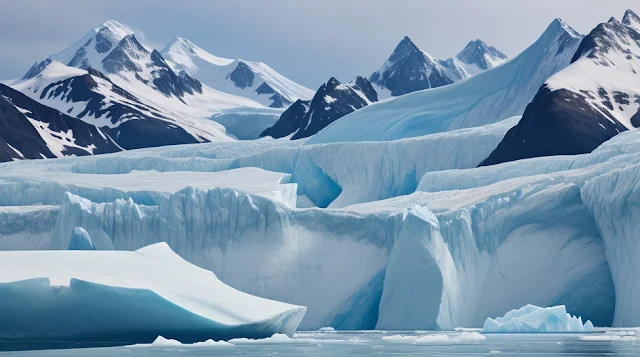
x: 128, y: 296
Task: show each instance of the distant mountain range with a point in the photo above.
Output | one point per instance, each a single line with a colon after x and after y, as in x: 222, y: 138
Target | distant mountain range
x: 488, y: 97
x: 109, y: 80
x: 109, y: 92
x: 407, y: 70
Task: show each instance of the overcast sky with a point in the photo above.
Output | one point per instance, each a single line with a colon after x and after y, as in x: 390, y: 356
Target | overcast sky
x: 307, y: 41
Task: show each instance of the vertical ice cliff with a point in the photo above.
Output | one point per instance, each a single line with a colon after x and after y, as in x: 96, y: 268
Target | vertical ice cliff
x: 614, y: 199
x: 313, y: 257
x: 536, y: 244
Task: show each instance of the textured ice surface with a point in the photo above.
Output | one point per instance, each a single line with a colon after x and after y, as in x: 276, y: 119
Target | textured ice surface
x: 531, y: 318
x: 468, y: 244
x: 129, y: 297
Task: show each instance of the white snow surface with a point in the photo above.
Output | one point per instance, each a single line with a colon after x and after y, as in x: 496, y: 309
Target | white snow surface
x: 488, y: 97
x: 534, y: 319
x: 155, y: 269
x: 214, y: 72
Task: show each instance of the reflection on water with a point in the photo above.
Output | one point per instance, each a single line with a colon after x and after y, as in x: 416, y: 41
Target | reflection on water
x: 382, y: 343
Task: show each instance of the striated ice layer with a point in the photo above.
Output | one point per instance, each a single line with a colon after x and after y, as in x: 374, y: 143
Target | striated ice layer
x: 317, y: 258
x: 329, y: 175
x: 534, y: 319
x: 462, y: 257
x: 130, y: 297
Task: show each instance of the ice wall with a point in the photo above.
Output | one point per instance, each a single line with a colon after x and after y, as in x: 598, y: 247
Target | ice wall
x: 536, y: 244
x: 614, y: 199
x: 311, y: 257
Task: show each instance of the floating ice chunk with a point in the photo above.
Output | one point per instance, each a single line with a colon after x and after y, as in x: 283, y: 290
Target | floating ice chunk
x: 326, y: 329
x: 532, y: 318
x: 167, y: 342
x: 131, y: 297
x: 80, y: 240
x: 466, y: 337
x: 429, y: 339
x: 276, y: 338
x: 613, y: 335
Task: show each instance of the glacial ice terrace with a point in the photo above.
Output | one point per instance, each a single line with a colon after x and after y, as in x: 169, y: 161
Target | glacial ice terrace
x: 429, y: 243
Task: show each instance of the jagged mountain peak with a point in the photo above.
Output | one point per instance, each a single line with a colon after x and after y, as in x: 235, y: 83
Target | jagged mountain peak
x: 115, y: 28
x: 332, y: 101
x: 332, y: 83
x: 479, y: 54
x: 630, y: 17
x: 559, y: 26
x: 409, y: 69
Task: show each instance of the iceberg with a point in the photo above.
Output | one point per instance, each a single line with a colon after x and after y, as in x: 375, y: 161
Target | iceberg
x: 124, y: 297
x: 534, y: 319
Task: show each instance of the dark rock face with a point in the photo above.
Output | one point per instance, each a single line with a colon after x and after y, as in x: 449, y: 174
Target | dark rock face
x: 80, y: 59
x: 103, y: 44
x: 144, y: 131
x: 570, y: 122
x: 123, y: 55
x: 555, y: 123
x: 606, y: 37
x: 166, y: 80
x: 264, y: 88
x: 242, y: 76
x: 18, y: 132
x: 408, y: 69
x: 332, y: 101
x: 476, y: 52
x: 277, y: 99
x: 36, y: 69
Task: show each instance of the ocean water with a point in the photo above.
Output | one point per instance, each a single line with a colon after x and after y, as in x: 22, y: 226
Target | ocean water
x: 618, y: 342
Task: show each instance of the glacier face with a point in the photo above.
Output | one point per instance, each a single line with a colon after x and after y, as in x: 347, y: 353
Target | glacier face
x: 433, y: 243
x: 128, y: 297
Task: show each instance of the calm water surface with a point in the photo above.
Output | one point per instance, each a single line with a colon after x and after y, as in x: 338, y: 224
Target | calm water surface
x: 386, y: 343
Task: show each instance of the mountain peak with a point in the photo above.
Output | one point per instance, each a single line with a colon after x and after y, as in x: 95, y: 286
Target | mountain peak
x: 629, y: 17
x: 117, y: 29
x: 558, y: 26
x: 478, y: 53
x: 404, y: 47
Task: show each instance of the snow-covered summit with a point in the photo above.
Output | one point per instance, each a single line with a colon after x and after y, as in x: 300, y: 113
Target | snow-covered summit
x: 585, y: 104
x: 94, y: 46
x: 410, y: 69
x: 631, y: 19
x: 478, y: 56
x: 254, y: 80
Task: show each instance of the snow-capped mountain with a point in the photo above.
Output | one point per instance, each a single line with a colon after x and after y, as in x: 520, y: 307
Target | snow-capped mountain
x: 587, y: 103
x: 477, y: 56
x: 488, y: 97
x: 332, y: 101
x: 134, y: 121
x: 254, y: 80
x: 113, y: 49
x: 409, y: 69
x: 30, y: 130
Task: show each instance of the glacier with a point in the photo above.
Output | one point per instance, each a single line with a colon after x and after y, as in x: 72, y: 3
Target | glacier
x: 128, y: 297
x: 434, y: 243
x: 534, y: 319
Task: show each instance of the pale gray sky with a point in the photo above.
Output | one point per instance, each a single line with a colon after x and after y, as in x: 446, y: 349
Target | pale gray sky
x: 308, y: 41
